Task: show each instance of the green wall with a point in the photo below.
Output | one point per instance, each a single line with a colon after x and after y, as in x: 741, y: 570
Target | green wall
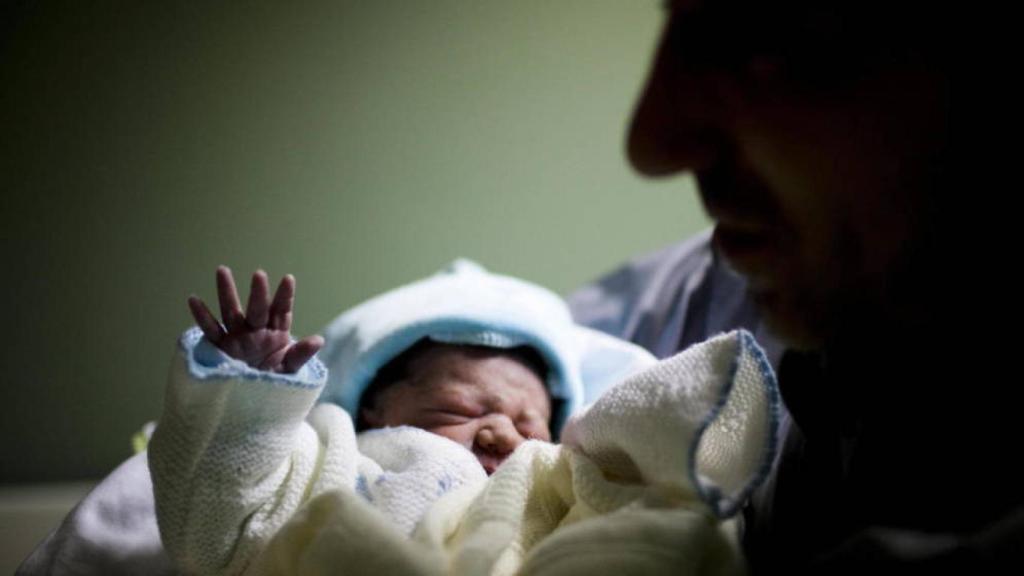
x: 357, y: 145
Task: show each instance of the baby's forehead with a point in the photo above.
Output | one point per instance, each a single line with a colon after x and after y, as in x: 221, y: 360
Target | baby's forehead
x: 456, y: 360
x: 454, y: 369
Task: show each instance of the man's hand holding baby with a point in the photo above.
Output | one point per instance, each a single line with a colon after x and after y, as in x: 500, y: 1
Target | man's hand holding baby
x: 260, y: 336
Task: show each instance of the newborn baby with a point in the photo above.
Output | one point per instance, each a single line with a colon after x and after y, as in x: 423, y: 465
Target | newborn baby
x: 489, y: 400
x: 450, y: 380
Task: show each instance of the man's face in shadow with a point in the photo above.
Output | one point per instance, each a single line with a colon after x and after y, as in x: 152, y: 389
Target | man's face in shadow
x: 815, y: 153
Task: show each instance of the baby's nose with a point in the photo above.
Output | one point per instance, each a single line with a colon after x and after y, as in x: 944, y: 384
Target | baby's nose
x: 499, y: 437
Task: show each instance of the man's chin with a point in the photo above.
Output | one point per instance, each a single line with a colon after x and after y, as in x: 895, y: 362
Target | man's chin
x: 792, y: 322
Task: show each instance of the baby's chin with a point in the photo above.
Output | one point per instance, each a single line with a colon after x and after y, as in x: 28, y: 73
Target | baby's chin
x: 490, y: 462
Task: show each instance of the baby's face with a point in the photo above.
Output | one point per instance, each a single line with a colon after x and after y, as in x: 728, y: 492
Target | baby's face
x: 488, y: 402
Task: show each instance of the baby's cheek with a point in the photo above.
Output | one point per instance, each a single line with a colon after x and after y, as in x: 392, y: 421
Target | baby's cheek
x: 461, y: 433
x: 535, y: 432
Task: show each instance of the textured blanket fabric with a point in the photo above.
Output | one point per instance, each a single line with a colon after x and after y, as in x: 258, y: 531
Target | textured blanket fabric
x: 641, y: 485
x: 238, y: 452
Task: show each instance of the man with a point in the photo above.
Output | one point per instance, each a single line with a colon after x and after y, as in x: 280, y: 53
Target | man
x: 820, y: 138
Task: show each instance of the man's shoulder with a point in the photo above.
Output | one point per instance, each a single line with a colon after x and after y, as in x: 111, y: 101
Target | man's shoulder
x: 607, y: 302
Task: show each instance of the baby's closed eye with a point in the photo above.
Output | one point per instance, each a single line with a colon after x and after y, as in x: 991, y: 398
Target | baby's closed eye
x: 451, y: 413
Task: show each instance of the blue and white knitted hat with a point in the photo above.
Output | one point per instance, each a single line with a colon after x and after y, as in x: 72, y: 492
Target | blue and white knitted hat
x: 465, y: 304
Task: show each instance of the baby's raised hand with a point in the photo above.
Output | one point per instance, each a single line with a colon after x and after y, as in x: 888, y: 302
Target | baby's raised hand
x: 260, y: 336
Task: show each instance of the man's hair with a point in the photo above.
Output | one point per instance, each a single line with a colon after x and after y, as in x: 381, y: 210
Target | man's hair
x: 398, y: 369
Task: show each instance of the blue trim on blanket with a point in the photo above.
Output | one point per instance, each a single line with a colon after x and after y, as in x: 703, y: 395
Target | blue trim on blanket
x: 207, y: 362
x: 774, y: 412
x: 363, y: 488
x: 725, y: 506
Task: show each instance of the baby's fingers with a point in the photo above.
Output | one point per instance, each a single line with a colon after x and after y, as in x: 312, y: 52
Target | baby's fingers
x: 281, y: 308
x: 259, y: 301
x: 230, y: 308
x: 300, y: 353
x: 205, y: 319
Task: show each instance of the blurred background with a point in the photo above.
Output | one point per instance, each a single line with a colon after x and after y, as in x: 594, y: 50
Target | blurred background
x: 356, y: 145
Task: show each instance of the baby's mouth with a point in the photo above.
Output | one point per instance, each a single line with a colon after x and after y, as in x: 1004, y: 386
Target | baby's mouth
x: 490, y: 462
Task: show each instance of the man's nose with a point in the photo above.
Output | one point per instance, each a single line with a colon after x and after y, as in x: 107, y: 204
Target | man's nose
x: 498, y: 436
x: 681, y: 119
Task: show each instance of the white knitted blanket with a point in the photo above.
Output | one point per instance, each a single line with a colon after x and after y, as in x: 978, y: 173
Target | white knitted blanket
x: 640, y: 485
x: 237, y: 452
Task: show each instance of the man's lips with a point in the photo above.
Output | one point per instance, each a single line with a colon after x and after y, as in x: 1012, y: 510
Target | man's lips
x: 751, y: 251
x: 746, y: 231
x: 736, y: 197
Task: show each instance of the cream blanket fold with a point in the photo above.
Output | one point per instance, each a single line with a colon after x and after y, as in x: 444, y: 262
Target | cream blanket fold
x: 642, y: 484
